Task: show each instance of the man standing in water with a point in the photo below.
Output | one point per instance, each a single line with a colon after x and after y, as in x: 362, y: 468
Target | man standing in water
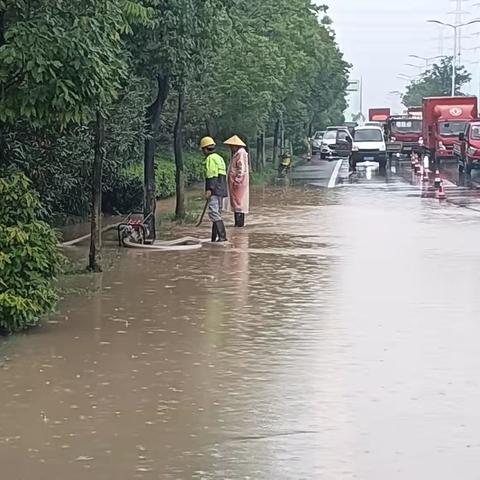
x: 215, y: 187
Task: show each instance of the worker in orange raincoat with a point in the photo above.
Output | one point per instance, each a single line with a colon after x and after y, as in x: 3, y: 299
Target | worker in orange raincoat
x: 238, y: 180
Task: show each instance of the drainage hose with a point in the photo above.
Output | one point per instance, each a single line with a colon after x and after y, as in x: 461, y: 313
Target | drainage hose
x: 178, y: 245
x: 71, y: 243
x: 104, y: 229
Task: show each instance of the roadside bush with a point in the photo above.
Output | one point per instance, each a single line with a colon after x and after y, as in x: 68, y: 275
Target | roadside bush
x: 194, y: 167
x: 127, y: 192
x: 29, y: 258
x: 164, y: 178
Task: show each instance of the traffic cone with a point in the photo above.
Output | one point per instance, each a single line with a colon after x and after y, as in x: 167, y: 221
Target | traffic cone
x: 438, y: 180
x: 425, y: 175
x: 441, y: 192
x: 418, y: 167
x: 426, y: 163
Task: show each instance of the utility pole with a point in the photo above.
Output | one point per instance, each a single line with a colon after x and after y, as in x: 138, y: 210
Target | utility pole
x: 361, y: 95
x: 441, y: 42
x: 454, y: 66
x: 459, y: 17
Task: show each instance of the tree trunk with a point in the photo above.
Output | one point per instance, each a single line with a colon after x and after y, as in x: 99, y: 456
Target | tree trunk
x: 2, y: 28
x: 263, y: 149
x: 259, y: 153
x: 152, y: 121
x: 310, y: 130
x: 3, y: 160
x: 178, y: 148
x: 94, y: 264
x: 282, y: 135
x: 208, y: 127
x: 3, y: 147
x: 276, y: 135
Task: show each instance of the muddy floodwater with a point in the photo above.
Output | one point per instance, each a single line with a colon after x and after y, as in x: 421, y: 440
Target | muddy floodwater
x: 337, y: 338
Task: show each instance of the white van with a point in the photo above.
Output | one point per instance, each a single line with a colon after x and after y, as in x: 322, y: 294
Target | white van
x: 369, y: 146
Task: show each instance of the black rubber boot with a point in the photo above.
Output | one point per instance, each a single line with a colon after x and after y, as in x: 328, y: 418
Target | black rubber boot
x: 222, y: 233
x: 237, y: 219
x: 241, y: 220
x: 214, y: 232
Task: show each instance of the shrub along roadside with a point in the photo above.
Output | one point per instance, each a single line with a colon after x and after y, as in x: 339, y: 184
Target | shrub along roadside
x: 29, y: 259
x: 126, y: 194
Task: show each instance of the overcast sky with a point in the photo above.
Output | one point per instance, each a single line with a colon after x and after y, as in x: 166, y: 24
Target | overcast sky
x: 378, y: 35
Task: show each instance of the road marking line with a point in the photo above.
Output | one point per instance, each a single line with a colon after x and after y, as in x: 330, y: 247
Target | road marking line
x: 448, y: 183
x: 333, y: 179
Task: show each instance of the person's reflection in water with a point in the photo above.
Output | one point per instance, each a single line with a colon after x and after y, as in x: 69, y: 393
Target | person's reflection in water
x: 238, y: 264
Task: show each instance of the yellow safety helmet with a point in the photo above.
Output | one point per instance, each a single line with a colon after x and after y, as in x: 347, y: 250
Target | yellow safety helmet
x: 235, y: 141
x: 206, y: 142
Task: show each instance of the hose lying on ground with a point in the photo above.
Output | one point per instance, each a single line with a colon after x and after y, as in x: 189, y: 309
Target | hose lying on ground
x: 75, y: 241
x: 180, y: 244
x: 71, y: 243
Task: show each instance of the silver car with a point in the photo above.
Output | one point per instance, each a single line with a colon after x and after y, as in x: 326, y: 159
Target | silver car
x: 317, y: 142
x: 329, y: 142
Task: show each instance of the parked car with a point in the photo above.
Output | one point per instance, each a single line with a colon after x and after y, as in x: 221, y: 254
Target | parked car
x: 467, y: 148
x: 317, y: 141
x: 369, y: 146
x: 330, y: 140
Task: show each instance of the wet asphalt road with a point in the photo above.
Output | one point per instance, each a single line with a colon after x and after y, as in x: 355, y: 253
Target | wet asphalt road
x: 337, y: 338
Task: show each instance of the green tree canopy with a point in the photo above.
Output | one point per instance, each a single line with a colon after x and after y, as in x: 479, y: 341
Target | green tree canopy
x: 280, y: 58
x: 436, y: 82
x: 59, y: 61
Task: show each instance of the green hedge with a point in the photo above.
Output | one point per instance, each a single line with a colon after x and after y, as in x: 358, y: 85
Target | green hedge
x: 29, y: 257
x: 127, y: 192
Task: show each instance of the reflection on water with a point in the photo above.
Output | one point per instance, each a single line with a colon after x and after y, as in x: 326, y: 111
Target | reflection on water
x: 327, y: 342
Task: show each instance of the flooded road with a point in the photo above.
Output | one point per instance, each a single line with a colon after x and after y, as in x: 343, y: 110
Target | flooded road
x: 336, y: 339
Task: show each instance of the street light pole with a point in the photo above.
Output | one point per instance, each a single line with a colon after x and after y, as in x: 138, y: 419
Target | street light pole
x: 427, y: 60
x: 455, y: 29
x: 361, y: 95
x: 420, y: 67
x: 454, y: 63
x: 403, y: 76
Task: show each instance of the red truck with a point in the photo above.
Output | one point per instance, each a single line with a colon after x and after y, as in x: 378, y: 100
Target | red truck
x: 467, y: 148
x: 407, y: 130
x: 415, y: 111
x: 378, y: 114
x: 444, y: 118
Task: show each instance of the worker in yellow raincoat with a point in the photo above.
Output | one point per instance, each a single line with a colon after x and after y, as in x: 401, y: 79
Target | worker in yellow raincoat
x: 215, y: 187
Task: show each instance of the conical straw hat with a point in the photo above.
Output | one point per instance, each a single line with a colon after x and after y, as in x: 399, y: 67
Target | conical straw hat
x: 235, y: 141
